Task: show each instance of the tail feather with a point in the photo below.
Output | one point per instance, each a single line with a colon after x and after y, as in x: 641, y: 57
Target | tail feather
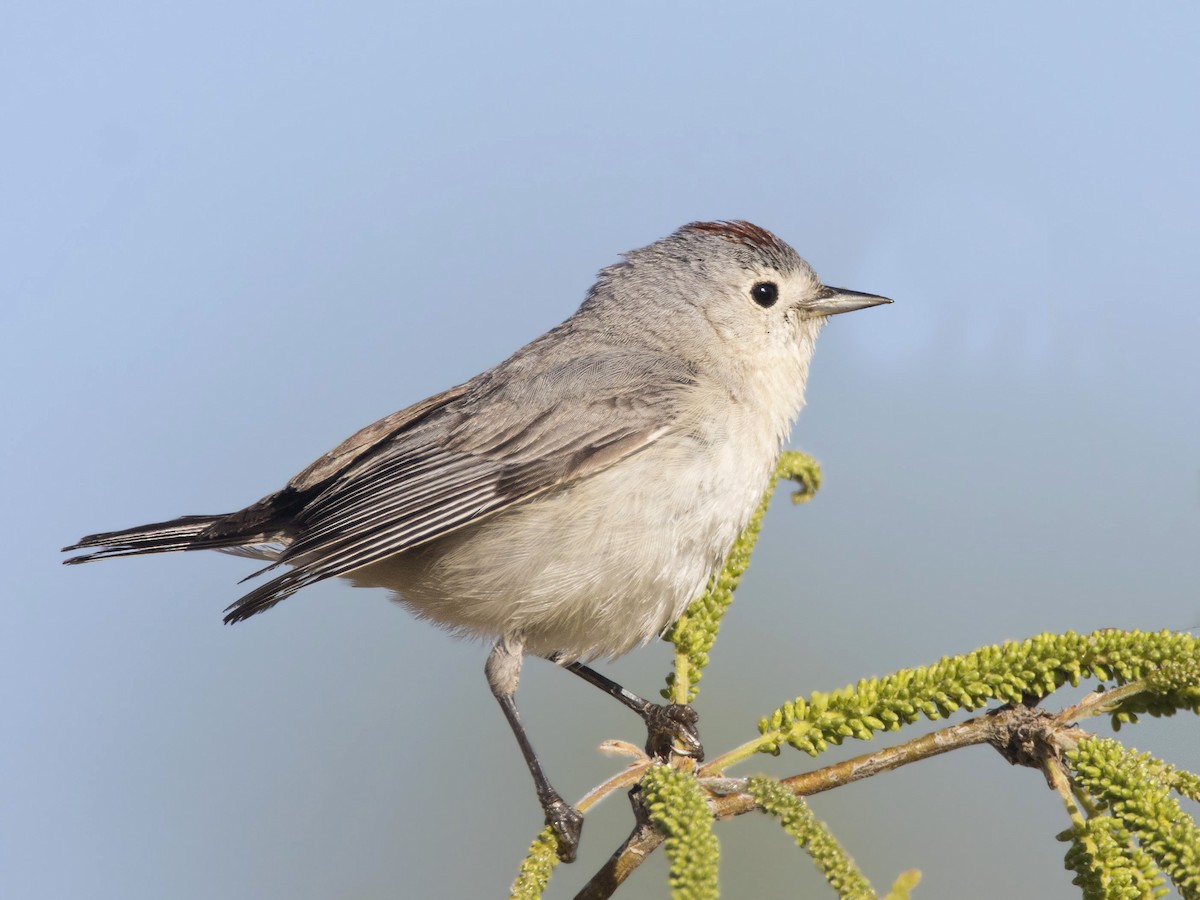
x: 184, y: 533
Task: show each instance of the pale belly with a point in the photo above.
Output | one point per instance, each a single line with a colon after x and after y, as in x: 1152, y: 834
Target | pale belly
x: 595, y: 569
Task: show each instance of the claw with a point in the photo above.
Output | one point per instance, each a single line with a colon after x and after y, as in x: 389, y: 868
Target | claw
x: 567, y: 823
x: 671, y: 724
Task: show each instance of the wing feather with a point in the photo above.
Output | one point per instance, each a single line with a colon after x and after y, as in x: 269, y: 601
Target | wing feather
x: 494, y: 444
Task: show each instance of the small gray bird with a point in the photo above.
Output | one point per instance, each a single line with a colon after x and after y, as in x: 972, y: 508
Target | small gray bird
x: 571, y: 501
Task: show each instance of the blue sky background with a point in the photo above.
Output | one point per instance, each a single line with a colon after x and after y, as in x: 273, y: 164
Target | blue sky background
x: 233, y: 233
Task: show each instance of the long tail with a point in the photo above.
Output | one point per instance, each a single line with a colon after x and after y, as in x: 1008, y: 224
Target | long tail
x: 184, y: 533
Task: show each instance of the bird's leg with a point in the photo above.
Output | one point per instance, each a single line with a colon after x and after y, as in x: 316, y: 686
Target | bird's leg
x: 503, y: 673
x: 665, y: 723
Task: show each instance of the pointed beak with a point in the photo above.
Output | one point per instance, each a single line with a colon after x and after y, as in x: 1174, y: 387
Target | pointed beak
x: 830, y: 301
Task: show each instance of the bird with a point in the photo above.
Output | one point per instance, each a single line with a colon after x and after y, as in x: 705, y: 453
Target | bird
x: 569, y: 502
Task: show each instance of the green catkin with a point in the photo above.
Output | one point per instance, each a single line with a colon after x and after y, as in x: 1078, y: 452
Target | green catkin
x: 676, y: 804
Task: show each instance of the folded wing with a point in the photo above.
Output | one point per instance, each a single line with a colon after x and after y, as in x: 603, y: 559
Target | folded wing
x: 500, y: 443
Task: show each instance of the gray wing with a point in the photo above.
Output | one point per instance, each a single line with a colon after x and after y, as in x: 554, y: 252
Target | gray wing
x: 503, y: 440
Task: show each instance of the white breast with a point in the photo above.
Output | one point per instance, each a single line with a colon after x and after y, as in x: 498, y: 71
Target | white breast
x: 608, y: 563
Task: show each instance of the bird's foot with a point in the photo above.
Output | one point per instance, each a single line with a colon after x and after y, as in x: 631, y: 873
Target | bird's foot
x: 671, y: 728
x: 567, y: 823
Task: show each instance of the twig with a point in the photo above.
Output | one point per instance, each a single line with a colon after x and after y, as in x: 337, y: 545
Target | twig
x: 642, y: 841
x: 729, y: 799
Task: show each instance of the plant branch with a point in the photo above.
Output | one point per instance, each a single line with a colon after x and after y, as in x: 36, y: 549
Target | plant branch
x: 1100, y: 702
x: 1154, y: 672
x: 642, y: 841
x: 986, y: 729
x: 623, y: 779
x: 729, y: 797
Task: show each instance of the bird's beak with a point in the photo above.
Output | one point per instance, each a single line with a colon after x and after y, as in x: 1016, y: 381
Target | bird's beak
x: 830, y: 301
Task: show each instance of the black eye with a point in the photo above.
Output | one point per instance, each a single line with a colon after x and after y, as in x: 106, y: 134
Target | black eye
x: 765, y: 293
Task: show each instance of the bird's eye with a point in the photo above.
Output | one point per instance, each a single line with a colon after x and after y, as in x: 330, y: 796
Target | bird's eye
x: 765, y: 293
